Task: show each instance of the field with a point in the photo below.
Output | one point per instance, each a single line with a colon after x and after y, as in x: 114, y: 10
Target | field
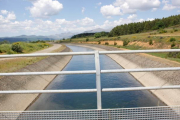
x: 161, y: 39
x: 23, y: 47
x: 11, y: 65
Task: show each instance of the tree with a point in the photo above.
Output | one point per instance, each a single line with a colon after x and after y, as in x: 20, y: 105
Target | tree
x: 97, y: 35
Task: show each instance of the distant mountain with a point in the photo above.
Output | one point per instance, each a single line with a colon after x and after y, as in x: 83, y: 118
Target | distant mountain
x: 34, y: 37
x: 62, y: 35
x: 97, y: 30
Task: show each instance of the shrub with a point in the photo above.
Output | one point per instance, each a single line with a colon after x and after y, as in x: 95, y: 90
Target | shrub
x: 106, y: 43
x: 118, y: 38
x: 17, y: 47
x: 150, y: 42
x: 175, y: 30
x: 173, y: 45
x: 125, y: 42
x: 99, y: 42
x: 97, y: 35
x: 162, y: 31
x: 87, y: 39
x: 172, y: 40
x: 115, y: 43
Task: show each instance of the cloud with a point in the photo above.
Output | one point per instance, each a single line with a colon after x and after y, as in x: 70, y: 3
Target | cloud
x: 154, y: 9
x: 4, y: 12
x: 11, y: 16
x: 129, y: 7
x: 176, y: 2
x: 168, y: 6
x: 109, y: 10
x: 99, y: 3
x: 45, y: 8
x: 138, y: 4
x: 83, y: 9
x: 132, y: 16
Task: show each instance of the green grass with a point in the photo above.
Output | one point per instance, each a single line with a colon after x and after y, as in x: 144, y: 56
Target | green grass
x: 12, y: 65
x: 161, y: 55
x: 27, y: 47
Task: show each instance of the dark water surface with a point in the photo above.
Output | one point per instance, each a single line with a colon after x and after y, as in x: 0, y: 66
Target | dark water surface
x: 70, y: 101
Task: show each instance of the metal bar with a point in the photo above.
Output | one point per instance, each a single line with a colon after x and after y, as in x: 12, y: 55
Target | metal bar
x: 140, y: 88
x: 48, y: 73
x: 98, y: 80
x: 89, y: 90
x: 47, y: 91
x: 139, y: 51
x: 88, y: 53
x: 90, y: 71
x: 140, y: 70
x: 46, y: 54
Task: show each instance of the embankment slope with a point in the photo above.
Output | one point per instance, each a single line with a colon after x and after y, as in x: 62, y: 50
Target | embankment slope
x: 19, y: 102
x: 132, y: 61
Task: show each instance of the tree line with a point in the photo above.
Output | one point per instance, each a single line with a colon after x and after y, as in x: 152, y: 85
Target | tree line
x: 144, y: 26
x: 96, y: 35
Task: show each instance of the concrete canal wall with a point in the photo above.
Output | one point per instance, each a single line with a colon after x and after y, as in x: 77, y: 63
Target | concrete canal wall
x: 132, y: 61
x: 19, y: 102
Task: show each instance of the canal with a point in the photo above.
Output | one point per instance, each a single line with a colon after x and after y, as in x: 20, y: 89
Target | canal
x: 74, y: 101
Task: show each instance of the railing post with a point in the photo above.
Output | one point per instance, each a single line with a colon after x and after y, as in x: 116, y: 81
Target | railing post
x: 98, y: 80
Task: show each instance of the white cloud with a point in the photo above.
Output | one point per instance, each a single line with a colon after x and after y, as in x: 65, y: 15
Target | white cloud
x: 167, y: 5
x: 133, y: 16
x: 11, y: 16
x: 154, y: 9
x: 45, y: 8
x: 139, y: 4
x: 150, y: 19
x: 4, y: 12
x: 176, y: 2
x: 129, y: 7
x: 99, y: 3
x: 109, y: 10
x: 83, y: 9
x: 86, y: 21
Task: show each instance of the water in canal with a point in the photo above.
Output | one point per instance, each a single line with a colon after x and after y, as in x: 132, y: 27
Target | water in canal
x: 70, y: 101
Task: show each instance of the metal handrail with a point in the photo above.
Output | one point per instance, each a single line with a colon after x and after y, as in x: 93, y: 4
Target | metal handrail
x: 97, y: 72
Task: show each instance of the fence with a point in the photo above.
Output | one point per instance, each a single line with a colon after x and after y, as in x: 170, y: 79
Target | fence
x: 98, y: 72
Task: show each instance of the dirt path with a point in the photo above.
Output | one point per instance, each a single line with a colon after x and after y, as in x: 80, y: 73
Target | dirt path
x: 50, y: 49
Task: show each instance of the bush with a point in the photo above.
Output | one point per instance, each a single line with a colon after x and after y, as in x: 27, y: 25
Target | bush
x: 17, y: 47
x: 150, y: 42
x: 162, y: 31
x: 125, y: 42
x: 87, y: 39
x: 115, y: 43
x: 97, y: 35
x: 106, y: 43
x: 4, y: 48
x: 175, y: 30
x: 173, y: 45
x: 172, y: 40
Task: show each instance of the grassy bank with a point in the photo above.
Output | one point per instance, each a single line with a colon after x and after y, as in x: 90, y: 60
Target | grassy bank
x: 11, y: 65
x: 22, y: 47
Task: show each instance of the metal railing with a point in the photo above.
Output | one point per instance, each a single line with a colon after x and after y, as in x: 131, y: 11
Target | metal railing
x: 98, y: 72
